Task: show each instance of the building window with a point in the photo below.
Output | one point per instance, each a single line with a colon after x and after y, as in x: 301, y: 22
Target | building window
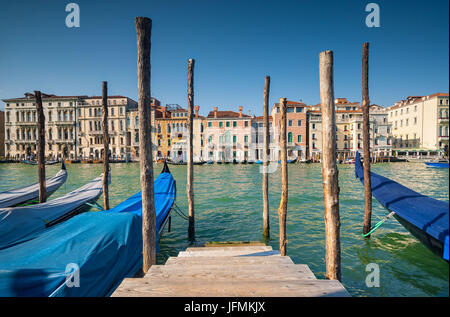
x: 246, y: 123
x: 220, y: 124
x: 290, y: 137
x: 234, y: 139
x: 246, y: 139
x: 313, y: 126
x: 234, y: 124
x: 290, y: 123
x: 299, y: 138
x: 209, y: 124
x: 299, y: 123
x: 228, y: 124
x: 299, y: 109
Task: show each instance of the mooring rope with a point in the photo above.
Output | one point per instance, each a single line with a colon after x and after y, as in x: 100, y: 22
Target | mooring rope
x: 379, y: 224
x: 180, y: 212
x: 96, y: 205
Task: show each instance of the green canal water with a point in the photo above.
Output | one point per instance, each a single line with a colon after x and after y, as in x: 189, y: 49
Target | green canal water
x: 228, y: 206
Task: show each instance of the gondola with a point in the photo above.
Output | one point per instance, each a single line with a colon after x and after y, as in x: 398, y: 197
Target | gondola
x: 29, y: 162
x: 103, y: 247
x: 29, y: 194
x: 18, y: 224
x: 424, y: 217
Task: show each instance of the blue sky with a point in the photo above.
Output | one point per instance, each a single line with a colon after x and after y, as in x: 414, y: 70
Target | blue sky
x: 235, y: 44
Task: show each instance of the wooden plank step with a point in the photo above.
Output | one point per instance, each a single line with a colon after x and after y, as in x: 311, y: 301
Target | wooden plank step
x: 230, y: 248
x: 242, y: 272
x: 251, y: 260
x: 231, y: 253
x: 213, y: 244
x: 157, y: 287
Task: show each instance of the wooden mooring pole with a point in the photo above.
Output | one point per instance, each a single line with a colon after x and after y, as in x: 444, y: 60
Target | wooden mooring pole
x: 329, y: 168
x: 266, y: 157
x: 366, y: 141
x: 282, y: 210
x: 105, y: 145
x: 41, y: 147
x: 143, y: 30
x: 190, y: 153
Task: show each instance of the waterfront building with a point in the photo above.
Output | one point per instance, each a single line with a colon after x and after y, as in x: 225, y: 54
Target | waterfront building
x: 61, y: 126
x: 171, y: 134
x: 73, y: 127
x: 91, y: 132
x: 349, y: 133
x: 2, y: 134
x: 420, y: 125
x: 296, y: 129
x: 228, y: 136
x: 256, y: 147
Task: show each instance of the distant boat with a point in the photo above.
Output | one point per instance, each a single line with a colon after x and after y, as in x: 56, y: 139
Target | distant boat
x: 209, y: 162
x: 349, y: 161
x: 259, y: 162
x: 289, y: 161
x: 30, y: 193
x: 438, y: 164
x: 30, y: 162
x: 426, y: 218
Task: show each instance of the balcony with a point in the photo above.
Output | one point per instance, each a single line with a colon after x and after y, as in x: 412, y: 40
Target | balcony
x: 443, y: 120
x: 58, y: 122
x: 26, y: 123
x: 443, y: 137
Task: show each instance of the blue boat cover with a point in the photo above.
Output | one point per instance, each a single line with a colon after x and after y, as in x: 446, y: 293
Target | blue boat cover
x: 428, y: 214
x: 18, y: 224
x: 101, y: 248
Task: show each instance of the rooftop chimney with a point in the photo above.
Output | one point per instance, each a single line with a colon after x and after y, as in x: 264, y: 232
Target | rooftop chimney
x: 197, y: 108
x: 215, y: 112
x: 240, y: 111
x: 164, y: 109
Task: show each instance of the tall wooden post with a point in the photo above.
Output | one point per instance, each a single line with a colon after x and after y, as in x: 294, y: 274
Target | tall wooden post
x: 329, y: 168
x: 143, y: 30
x: 282, y: 210
x: 41, y: 147
x: 190, y: 153
x: 366, y: 140
x: 105, y: 145
x: 266, y: 156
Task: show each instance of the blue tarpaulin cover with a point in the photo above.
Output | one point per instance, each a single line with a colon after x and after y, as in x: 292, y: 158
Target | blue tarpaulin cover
x: 428, y: 214
x: 18, y: 224
x: 104, y: 246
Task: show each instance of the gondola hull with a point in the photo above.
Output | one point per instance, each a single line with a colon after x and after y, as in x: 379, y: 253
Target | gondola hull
x: 29, y: 194
x: 426, y: 218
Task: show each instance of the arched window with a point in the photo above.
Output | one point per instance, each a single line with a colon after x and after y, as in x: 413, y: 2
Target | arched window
x: 290, y: 137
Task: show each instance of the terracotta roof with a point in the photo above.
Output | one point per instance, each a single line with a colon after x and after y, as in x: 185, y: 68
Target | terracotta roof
x: 262, y: 118
x: 178, y: 110
x: 439, y: 94
x: 226, y: 114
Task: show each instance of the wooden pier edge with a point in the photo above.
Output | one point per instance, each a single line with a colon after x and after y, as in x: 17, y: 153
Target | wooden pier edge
x: 230, y: 269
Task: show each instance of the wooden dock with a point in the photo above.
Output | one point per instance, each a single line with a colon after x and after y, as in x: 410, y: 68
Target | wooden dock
x: 234, y: 270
